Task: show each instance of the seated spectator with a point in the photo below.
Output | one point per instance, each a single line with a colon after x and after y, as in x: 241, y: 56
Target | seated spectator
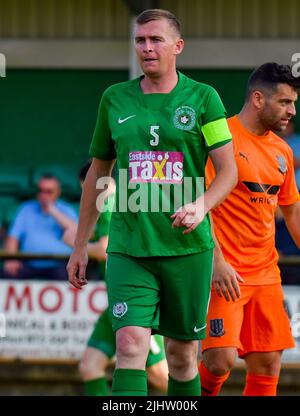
x: 38, y: 228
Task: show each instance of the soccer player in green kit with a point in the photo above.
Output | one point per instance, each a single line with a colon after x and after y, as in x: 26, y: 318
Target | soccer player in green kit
x: 160, y: 128
x: 101, y: 345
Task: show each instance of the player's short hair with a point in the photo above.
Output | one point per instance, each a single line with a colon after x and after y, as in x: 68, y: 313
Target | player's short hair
x: 84, y: 170
x: 266, y: 78
x: 158, y: 14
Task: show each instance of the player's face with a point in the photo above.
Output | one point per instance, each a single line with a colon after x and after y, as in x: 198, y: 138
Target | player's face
x: 279, y: 108
x: 156, y: 46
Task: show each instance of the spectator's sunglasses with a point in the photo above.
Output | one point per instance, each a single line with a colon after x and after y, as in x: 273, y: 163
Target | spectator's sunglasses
x: 46, y: 191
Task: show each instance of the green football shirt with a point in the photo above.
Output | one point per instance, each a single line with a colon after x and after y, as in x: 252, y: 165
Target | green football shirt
x: 161, y: 143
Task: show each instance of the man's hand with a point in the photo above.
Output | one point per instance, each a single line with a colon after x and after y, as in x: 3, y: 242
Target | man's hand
x: 76, y: 267
x: 12, y: 267
x: 189, y: 216
x: 48, y: 207
x: 226, y: 280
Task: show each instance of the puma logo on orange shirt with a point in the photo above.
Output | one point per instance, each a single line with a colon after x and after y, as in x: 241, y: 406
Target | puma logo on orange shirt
x: 244, y: 156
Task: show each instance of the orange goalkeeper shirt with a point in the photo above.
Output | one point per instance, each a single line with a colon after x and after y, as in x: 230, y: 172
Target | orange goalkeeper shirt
x: 245, y: 222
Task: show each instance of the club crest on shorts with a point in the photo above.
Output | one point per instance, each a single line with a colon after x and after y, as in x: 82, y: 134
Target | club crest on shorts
x: 184, y: 118
x: 119, y: 309
x: 216, y: 327
x: 282, y: 164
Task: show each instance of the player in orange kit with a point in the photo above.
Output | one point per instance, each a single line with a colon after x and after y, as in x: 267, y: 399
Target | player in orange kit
x: 246, y: 312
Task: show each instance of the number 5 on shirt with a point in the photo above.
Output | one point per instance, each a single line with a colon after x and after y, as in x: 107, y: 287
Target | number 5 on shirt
x: 155, y: 141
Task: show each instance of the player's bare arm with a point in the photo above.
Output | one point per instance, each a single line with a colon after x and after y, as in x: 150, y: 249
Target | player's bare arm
x: 88, y: 215
x: 291, y: 215
x: 191, y: 215
x: 225, y: 279
x: 226, y: 176
x: 95, y: 250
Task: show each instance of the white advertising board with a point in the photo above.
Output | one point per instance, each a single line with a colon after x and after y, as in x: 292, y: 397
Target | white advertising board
x: 48, y: 319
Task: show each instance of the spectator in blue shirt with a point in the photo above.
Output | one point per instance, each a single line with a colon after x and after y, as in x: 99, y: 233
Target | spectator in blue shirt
x: 38, y: 228
x: 293, y: 140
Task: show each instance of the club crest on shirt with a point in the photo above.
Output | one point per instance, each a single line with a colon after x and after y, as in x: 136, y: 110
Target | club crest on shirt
x: 184, y: 118
x: 119, y: 309
x: 216, y: 327
x: 282, y: 164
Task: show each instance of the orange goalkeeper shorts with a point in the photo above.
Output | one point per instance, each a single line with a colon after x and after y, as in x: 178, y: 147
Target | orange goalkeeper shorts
x: 257, y: 321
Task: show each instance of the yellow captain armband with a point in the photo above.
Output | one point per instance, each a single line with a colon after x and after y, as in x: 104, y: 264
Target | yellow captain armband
x: 216, y: 133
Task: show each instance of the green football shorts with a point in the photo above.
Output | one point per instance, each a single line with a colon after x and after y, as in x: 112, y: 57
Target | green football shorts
x: 168, y: 294
x: 103, y: 338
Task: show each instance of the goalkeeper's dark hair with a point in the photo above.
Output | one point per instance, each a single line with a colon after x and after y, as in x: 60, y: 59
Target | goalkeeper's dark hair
x: 267, y: 77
